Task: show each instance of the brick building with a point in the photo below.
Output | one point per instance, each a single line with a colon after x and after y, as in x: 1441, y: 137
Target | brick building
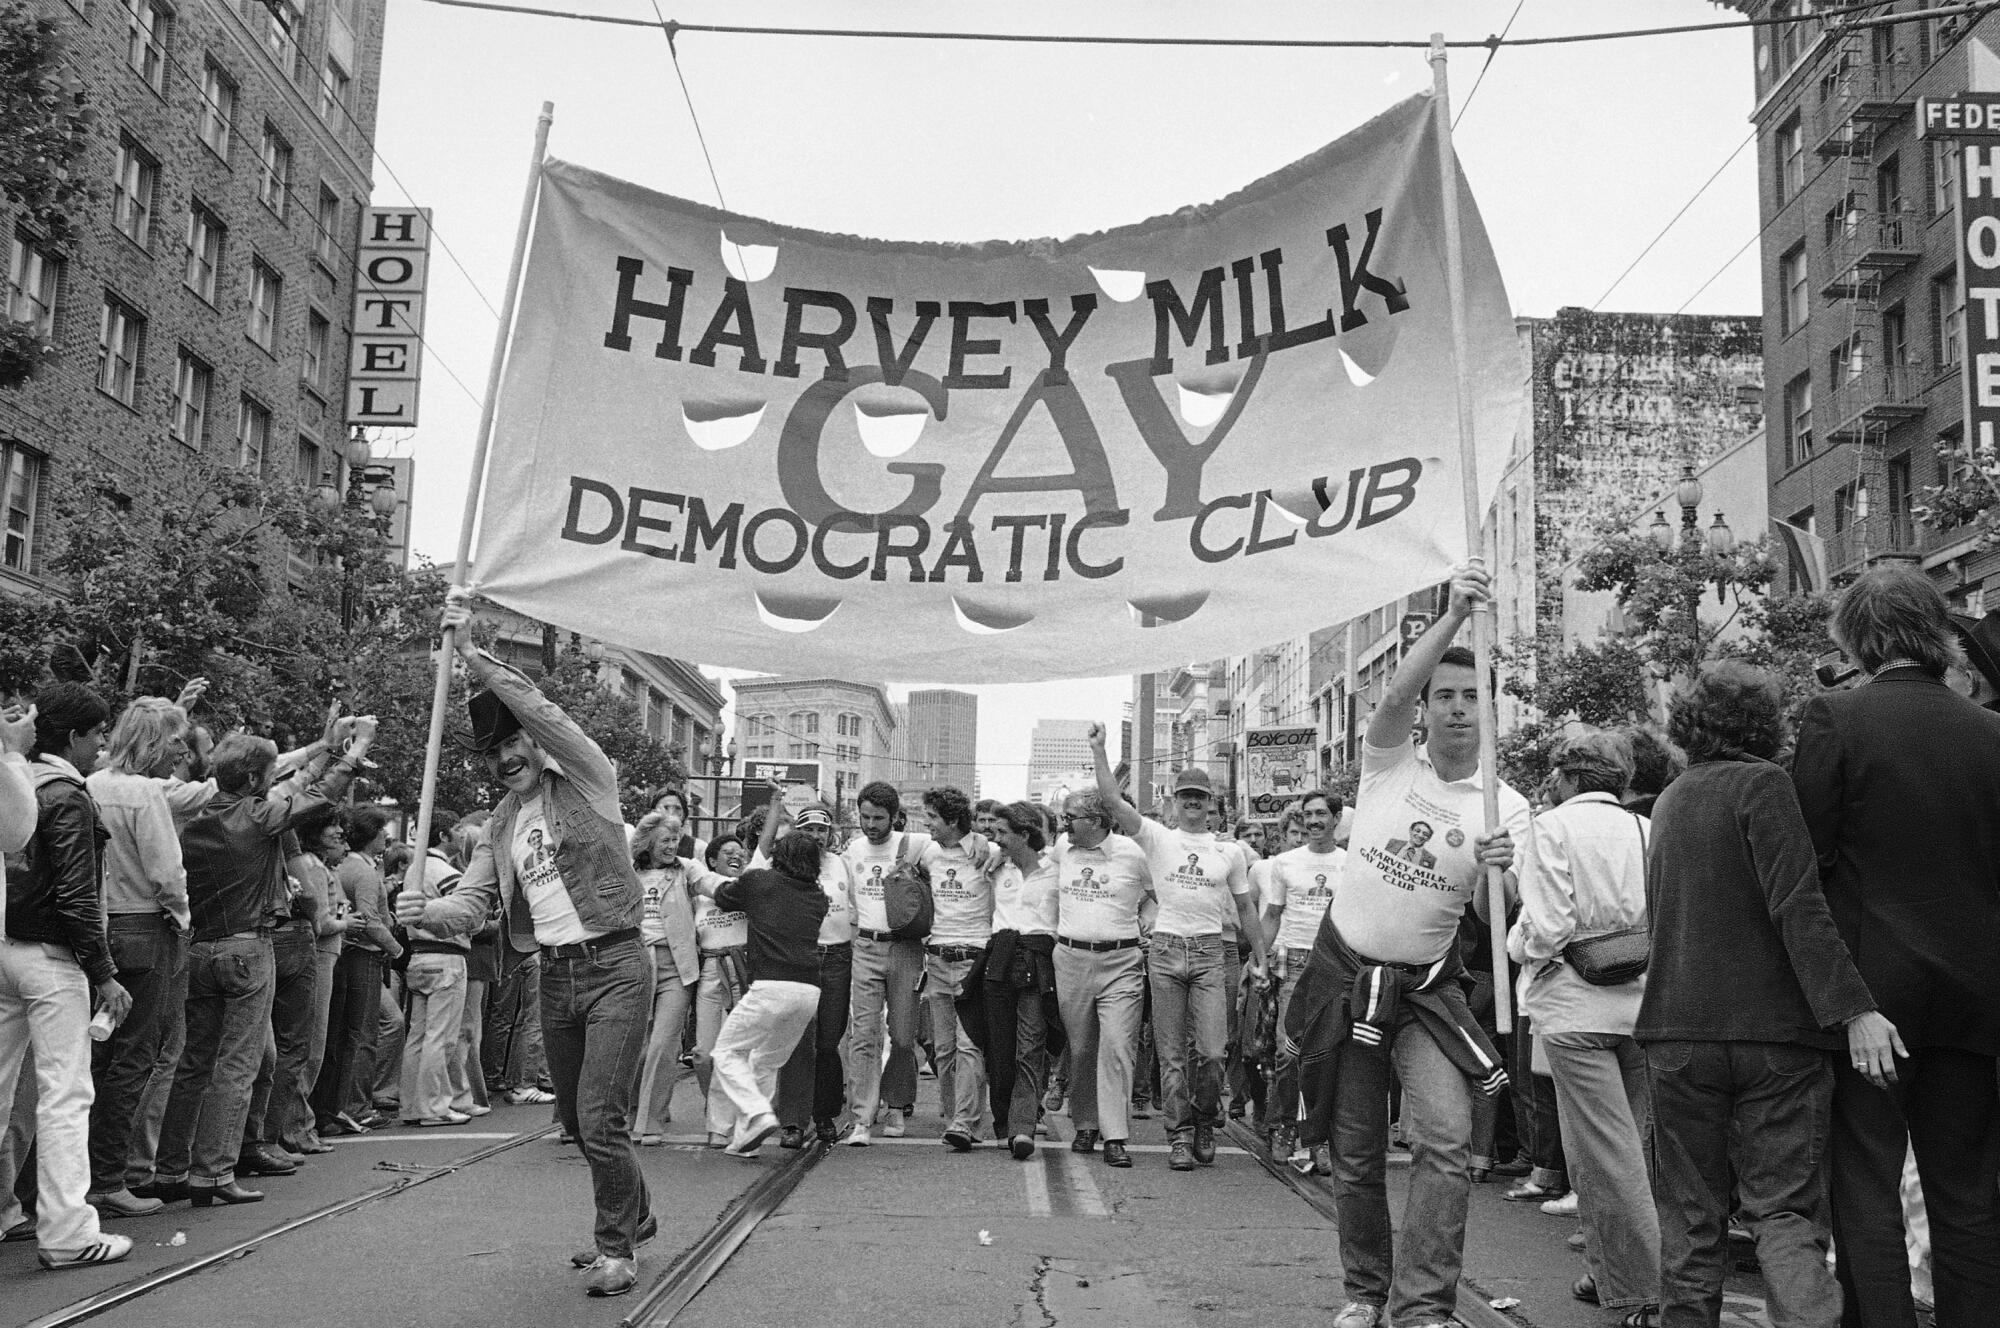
x: 204, y: 307
x: 1864, y: 317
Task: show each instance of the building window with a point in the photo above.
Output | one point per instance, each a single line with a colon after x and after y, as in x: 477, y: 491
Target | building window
x: 133, y: 185
x: 1895, y: 338
x: 204, y: 251
x: 334, y: 85
x: 796, y: 751
x: 274, y: 170
x: 1846, y: 362
x: 23, y: 479
x: 319, y: 337
x: 34, y: 275
x: 281, y: 27
x: 1793, y: 39
x: 146, y: 25
x: 1791, y: 159
x: 326, y: 225
x: 1798, y: 420
x: 1889, y: 200
x: 1841, y: 220
x: 192, y: 381
x: 1946, y: 311
x: 218, y: 108
x: 267, y: 290
x: 1902, y: 517
x: 1843, y: 507
x: 253, y: 435
x: 812, y: 721
x: 121, y: 335
x: 309, y: 469
x: 812, y: 751
x: 1795, y: 299
x: 1943, y: 170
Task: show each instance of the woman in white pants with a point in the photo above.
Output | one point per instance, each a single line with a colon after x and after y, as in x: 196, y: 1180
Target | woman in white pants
x: 667, y: 927
x: 784, y: 907
x: 723, y: 938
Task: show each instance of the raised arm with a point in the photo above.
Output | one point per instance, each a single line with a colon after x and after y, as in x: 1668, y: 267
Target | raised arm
x: 17, y: 786
x: 1124, y: 816
x: 1390, y: 724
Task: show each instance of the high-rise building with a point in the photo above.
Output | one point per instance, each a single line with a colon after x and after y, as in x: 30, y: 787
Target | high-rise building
x: 204, y: 305
x: 937, y: 742
x: 1059, y: 746
x: 1864, y: 316
x: 846, y: 726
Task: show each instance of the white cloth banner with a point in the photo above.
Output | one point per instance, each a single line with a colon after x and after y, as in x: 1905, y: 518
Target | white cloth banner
x: 758, y: 446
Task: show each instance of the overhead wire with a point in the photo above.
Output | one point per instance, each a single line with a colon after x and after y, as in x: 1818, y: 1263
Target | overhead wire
x: 1491, y: 51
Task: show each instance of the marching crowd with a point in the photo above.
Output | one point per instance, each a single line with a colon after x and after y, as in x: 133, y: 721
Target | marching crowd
x: 1754, y: 971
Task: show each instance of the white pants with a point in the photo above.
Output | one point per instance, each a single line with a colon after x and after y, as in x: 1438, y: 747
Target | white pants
x: 45, y: 1004
x: 436, y: 985
x: 754, y: 1044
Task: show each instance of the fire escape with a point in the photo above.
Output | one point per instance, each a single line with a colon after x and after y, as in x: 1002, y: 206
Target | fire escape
x: 1871, y: 236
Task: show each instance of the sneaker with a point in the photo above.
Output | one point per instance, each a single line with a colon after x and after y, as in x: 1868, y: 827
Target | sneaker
x: 1358, y: 1314
x: 1180, y: 1157
x: 612, y: 1277
x: 1529, y: 1192
x: 751, y: 1134
x: 958, y: 1141
x: 105, y: 1249
x: 473, y: 1109
x: 649, y: 1227
x: 523, y: 1096
x: 122, y: 1203
x: 858, y: 1137
x: 1204, y: 1145
x: 1563, y: 1207
x: 892, y: 1127
x: 349, y: 1124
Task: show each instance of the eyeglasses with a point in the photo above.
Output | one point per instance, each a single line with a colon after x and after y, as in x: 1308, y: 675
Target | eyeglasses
x: 1084, y: 816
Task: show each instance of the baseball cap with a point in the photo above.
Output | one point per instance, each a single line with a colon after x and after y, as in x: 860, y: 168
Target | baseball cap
x: 1194, y: 779
x: 811, y: 816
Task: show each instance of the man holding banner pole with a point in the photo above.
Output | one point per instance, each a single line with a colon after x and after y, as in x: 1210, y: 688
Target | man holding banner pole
x: 555, y: 857
x: 1382, y: 987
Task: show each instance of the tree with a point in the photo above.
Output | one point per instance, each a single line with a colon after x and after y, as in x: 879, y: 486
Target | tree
x: 45, y: 120
x: 613, y: 721
x: 1969, y: 499
x: 1672, y: 632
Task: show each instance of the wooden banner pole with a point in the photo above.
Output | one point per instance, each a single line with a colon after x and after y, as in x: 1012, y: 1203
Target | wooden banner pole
x: 475, y: 483
x: 1468, y: 478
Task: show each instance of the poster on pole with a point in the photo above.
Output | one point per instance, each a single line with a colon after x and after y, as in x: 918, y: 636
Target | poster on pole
x: 731, y: 439
x: 1278, y: 765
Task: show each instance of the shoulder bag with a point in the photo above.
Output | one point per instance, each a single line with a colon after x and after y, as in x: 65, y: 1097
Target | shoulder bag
x: 1618, y: 957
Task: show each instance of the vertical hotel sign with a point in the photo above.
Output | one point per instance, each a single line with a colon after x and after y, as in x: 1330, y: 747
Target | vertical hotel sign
x: 385, y: 357
x: 1972, y: 120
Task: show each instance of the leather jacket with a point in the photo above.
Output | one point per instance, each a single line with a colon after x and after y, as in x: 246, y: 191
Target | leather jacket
x: 54, y: 892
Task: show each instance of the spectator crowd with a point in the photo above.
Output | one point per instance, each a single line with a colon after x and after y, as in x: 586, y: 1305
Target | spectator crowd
x: 1753, y: 957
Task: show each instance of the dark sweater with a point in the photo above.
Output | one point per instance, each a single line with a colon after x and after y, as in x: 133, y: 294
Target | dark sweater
x: 785, y: 914
x: 1744, y: 948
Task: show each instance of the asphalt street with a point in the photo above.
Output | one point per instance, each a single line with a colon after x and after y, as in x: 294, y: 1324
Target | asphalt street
x: 904, y: 1232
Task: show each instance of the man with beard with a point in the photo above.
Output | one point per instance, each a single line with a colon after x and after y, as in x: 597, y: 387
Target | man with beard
x: 555, y: 858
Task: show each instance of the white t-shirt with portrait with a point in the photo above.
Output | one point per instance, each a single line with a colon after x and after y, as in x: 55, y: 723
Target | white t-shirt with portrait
x: 555, y: 916
x: 718, y: 929
x: 1302, y: 883
x: 1411, y: 868
x: 961, y: 892
x: 1196, y: 876
x: 1101, y: 890
x: 869, y: 865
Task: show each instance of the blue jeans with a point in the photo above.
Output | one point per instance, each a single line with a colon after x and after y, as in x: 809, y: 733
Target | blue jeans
x: 594, y: 1015
x: 1417, y: 1279
x: 1755, y: 1114
x: 228, y: 1019
x: 147, y: 949
x: 279, y: 1106
x: 1601, y: 1082
x: 1190, y: 1003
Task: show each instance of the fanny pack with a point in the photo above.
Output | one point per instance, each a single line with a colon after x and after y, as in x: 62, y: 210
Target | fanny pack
x: 1617, y: 957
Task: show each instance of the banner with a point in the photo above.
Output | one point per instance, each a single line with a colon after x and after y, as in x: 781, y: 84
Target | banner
x: 1278, y: 765
x: 758, y: 446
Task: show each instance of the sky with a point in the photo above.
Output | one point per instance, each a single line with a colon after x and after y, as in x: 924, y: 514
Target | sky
x: 1577, y: 154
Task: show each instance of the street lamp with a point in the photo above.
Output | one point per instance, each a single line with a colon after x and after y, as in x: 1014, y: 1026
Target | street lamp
x: 1721, y: 543
x: 1688, y: 494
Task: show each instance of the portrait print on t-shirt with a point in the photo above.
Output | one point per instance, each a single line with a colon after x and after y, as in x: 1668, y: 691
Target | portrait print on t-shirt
x: 537, y: 866
x: 1403, y: 860
x: 1412, y: 849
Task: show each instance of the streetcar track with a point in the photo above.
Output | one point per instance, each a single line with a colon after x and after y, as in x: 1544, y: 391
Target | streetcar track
x: 698, y: 1264
x: 105, y: 1301
x: 1473, y: 1307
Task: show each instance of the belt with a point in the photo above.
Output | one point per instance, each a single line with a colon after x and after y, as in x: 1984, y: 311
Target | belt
x: 867, y: 935
x: 254, y: 934
x: 838, y: 947
x: 588, y: 949
x: 1099, y: 947
x: 954, y: 953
